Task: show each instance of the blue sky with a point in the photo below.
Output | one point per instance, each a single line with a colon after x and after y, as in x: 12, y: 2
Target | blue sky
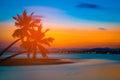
x: 107, y: 11
x: 92, y: 23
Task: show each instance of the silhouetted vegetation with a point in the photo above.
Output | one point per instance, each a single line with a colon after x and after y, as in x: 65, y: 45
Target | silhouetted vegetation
x: 29, y: 32
x: 86, y: 51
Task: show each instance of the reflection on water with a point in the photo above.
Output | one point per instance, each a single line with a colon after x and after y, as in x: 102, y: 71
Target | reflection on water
x: 73, y: 71
x: 85, y: 56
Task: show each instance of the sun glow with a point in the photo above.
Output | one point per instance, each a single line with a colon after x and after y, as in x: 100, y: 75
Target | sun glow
x: 74, y: 37
x: 85, y: 38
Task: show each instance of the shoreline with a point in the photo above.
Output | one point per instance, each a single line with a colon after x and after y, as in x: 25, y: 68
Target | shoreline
x: 51, y: 61
x: 82, y: 69
x: 41, y: 61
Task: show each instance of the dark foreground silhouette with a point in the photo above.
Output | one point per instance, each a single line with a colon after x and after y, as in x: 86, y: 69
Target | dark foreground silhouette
x: 30, y: 34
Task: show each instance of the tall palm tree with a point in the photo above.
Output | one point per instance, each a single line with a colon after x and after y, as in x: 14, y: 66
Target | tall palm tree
x: 24, y: 22
x: 36, y: 40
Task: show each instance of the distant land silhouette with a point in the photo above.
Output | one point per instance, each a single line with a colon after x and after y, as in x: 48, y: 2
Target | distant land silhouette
x: 74, y: 50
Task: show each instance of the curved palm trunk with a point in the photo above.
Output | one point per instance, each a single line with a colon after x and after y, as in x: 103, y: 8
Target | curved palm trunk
x: 12, y: 56
x: 8, y: 47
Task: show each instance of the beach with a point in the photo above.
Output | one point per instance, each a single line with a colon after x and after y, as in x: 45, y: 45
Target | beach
x: 40, y: 61
x: 60, y: 40
x: 83, y: 69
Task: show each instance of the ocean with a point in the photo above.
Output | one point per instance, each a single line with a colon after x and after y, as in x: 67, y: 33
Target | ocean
x: 89, y: 70
x: 74, y: 55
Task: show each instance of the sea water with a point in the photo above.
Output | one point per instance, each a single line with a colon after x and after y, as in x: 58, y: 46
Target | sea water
x: 55, y: 72
x: 72, y: 55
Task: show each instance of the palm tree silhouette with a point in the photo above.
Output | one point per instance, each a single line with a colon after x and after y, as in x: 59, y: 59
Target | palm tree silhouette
x: 36, y: 40
x: 24, y: 22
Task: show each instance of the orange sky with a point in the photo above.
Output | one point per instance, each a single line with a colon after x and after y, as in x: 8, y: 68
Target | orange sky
x: 71, y: 25
x: 74, y: 37
x: 85, y: 37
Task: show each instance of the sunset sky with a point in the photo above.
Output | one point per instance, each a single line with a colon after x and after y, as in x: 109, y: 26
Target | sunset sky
x: 72, y: 23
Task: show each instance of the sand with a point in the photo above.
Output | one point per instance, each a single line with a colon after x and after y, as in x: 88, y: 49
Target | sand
x: 41, y: 61
x: 82, y: 69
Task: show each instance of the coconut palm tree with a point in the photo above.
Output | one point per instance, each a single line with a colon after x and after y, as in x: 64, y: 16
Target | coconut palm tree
x: 36, y: 40
x: 24, y: 22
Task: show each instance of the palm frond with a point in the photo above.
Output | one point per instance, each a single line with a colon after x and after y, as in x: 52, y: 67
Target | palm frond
x: 47, y: 41
x: 43, y: 50
x: 46, y: 31
x: 17, y: 24
x: 34, y: 23
x: 39, y: 28
x: 31, y: 16
x: 18, y: 33
x: 19, y: 18
x: 24, y: 14
x: 15, y: 18
x: 50, y: 39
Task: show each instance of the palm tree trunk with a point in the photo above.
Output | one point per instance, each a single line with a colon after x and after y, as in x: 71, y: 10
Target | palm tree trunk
x: 35, y: 51
x: 21, y: 52
x: 28, y: 54
x: 35, y: 54
x: 8, y: 47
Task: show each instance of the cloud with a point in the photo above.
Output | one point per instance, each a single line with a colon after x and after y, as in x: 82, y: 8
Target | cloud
x: 51, y: 16
x: 101, y: 28
x: 87, y: 5
x: 43, y: 9
x: 46, y: 12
